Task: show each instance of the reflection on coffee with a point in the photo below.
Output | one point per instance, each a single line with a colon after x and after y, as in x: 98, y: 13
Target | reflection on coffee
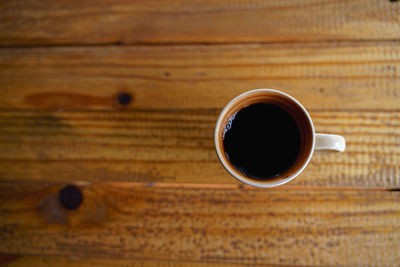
x: 262, y: 140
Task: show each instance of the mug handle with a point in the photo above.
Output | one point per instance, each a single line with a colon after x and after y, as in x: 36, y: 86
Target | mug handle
x: 329, y: 143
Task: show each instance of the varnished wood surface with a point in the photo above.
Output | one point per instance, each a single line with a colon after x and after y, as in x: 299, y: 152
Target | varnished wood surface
x: 158, y: 21
x: 210, y: 223
x: 321, y: 75
x: 177, y: 146
x: 23, y: 261
x: 154, y: 193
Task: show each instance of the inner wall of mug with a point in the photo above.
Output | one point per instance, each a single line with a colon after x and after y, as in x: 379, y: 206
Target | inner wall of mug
x: 284, y: 102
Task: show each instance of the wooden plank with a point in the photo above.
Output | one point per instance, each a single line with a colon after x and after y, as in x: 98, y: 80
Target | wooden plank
x: 177, y: 146
x: 321, y: 76
x: 96, y: 262
x: 203, y: 223
x: 125, y: 22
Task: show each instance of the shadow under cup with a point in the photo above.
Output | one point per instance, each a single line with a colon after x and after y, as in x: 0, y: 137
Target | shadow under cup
x: 283, y: 101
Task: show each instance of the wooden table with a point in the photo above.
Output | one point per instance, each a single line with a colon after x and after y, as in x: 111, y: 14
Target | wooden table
x: 116, y: 102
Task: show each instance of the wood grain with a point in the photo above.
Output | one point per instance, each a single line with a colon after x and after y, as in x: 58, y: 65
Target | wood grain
x: 321, y: 76
x: 177, y: 146
x: 154, y: 193
x: 222, y: 224
x: 34, y: 261
x: 157, y: 21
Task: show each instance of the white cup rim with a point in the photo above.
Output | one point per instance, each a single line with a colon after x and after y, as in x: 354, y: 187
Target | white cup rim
x: 233, y: 171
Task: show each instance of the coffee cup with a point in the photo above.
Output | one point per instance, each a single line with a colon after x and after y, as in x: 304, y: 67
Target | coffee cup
x: 266, y: 138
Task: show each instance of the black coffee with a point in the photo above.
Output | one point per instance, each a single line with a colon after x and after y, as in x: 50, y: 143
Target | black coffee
x: 262, y: 140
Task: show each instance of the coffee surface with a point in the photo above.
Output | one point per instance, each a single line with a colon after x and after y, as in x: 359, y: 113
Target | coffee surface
x: 262, y: 140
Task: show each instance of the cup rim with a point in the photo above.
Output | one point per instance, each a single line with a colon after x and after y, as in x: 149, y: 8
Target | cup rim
x: 249, y: 181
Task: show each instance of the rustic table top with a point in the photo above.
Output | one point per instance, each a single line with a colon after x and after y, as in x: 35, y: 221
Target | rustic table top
x: 107, y: 113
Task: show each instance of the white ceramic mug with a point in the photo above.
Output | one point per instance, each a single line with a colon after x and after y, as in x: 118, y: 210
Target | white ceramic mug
x: 310, y: 141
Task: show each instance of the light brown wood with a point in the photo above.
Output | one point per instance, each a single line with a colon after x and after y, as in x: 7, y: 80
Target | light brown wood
x: 177, y: 146
x: 222, y: 224
x: 50, y: 261
x: 321, y: 76
x: 158, y: 21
